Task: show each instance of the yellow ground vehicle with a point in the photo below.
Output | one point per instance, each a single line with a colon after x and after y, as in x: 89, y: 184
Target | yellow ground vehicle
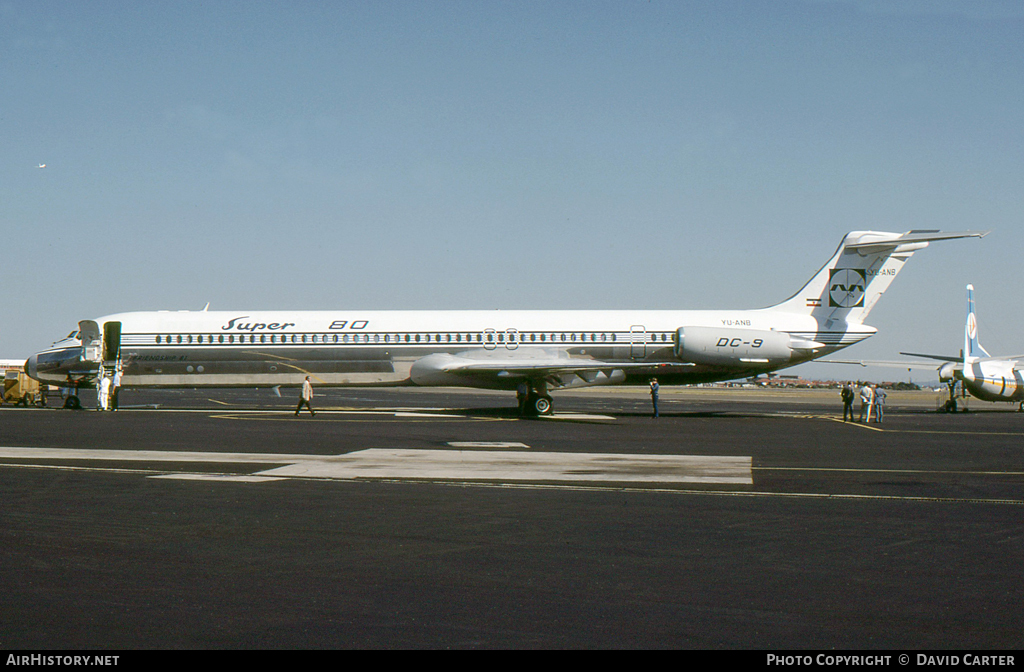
x: 22, y: 390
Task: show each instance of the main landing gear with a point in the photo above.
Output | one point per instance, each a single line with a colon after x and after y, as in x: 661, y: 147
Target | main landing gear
x: 534, y: 401
x: 539, y: 404
x: 950, y: 406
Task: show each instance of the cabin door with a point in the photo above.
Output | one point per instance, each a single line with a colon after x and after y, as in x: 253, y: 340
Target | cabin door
x: 637, y: 341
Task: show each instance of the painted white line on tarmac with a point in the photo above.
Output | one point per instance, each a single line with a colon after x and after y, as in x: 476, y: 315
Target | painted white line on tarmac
x: 152, y: 455
x: 523, y: 466
x: 235, y: 478
x: 487, y: 444
x: 456, y: 465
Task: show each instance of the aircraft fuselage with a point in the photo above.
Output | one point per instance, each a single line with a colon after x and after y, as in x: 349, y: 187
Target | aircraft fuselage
x: 342, y: 348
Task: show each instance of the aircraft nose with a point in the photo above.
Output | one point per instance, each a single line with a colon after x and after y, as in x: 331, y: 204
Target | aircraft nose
x: 31, y: 366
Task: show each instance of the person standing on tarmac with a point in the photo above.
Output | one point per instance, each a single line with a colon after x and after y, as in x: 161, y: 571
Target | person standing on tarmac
x: 654, y: 395
x: 848, y: 396
x: 103, y: 393
x: 879, y: 400
x: 115, y: 387
x: 522, y: 396
x: 306, y: 397
x: 867, y: 399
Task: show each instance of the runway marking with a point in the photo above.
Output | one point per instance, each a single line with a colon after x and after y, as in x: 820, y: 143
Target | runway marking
x: 152, y: 473
x: 332, y: 417
x: 487, y: 444
x: 238, y: 478
x: 890, y: 430
x: 152, y: 456
x: 585, y: 417
x: 895, y: 471
x: 745, y: 493
x: 410, y: 414
x: 458, y: 465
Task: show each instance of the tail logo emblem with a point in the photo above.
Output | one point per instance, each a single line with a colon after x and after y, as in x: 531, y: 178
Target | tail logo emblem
x: 972, y: 327
x: 846, y: 287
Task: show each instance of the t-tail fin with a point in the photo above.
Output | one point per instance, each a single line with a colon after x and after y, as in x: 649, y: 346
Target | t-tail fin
x: 972, y: 348
x: 850, y: 284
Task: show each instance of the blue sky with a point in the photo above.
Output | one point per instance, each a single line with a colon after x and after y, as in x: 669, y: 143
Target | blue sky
x: 506, y: 155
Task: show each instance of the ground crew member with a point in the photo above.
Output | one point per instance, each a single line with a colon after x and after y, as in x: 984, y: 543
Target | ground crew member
x: 103, y: 393
x: 306, y: 397
x: 654, y: 395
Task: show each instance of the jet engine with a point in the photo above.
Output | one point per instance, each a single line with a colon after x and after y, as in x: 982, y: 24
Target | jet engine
x: 739, y: 347
x: 947, y: 372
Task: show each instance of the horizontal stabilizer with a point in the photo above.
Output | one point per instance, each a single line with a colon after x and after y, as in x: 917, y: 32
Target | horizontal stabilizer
x: 909, y: 238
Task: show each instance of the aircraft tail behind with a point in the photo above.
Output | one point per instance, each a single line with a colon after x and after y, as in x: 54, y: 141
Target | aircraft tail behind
x: 972, y: 348
x: 850, y: 284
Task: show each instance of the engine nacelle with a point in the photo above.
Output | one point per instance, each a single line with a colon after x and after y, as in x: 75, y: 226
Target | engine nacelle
x: 947, y: 372
x: 733, y: 347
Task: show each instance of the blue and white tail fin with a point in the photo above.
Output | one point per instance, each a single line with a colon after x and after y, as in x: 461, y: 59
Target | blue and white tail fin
x: 846, y: 288
x: 972, y: 348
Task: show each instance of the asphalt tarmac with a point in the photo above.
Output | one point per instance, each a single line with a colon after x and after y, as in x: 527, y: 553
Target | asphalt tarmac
x: 403, y: 518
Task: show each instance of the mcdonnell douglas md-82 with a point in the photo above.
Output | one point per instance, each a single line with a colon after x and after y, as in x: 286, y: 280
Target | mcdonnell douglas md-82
x: 546, y: 349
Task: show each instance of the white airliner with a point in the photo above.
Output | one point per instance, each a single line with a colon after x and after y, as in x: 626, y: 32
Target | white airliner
x: 986, y: 377
x: 546, y: 350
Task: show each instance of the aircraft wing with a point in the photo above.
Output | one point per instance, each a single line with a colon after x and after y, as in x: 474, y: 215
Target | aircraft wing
x: 941, y: 358
x: 889, y: 364
x: 959, y: 360
x: 448, y: 369
x: 554, y: 366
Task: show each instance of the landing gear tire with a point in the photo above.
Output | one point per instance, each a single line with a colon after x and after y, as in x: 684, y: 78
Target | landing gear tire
x: 542, y: 405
